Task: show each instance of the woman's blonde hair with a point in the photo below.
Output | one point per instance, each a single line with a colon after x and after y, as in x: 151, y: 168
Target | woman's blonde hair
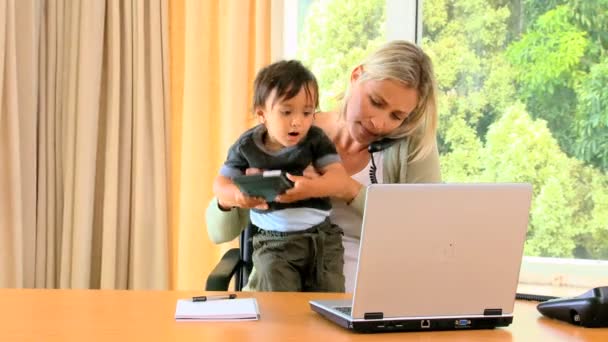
x: 406, y: 62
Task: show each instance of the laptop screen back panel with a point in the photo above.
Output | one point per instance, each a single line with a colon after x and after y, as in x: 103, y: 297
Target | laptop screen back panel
x: 445, y: 250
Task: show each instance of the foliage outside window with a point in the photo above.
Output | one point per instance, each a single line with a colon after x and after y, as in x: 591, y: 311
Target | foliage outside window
x: 522, y: 99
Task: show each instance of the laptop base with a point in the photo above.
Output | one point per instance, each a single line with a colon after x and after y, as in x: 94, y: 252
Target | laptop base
x: 414, y: 324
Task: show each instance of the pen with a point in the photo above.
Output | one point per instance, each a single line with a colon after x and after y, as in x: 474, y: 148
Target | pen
x: 217, y: 297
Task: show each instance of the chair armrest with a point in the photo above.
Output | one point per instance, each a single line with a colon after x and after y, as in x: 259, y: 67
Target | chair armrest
x: 219, y: 278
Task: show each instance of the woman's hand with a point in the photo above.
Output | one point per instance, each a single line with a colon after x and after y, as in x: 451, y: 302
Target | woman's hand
x: 334, y: 182
x: 303, y: 188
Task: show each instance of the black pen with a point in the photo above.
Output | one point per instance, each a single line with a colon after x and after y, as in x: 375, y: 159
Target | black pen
x: 217, y: 297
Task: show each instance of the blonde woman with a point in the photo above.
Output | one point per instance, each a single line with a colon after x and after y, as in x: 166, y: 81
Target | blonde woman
x: 390, y: 95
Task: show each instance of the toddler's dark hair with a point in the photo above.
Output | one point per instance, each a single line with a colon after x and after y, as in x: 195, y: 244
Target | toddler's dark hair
x: 288, y: 78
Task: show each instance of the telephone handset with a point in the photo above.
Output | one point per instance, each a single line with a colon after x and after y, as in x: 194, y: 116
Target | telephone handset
x: 381, y: 144
x: 377, y: 146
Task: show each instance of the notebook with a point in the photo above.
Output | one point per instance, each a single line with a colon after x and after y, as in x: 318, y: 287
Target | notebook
x: 436, y: 257
x: 241, y: 309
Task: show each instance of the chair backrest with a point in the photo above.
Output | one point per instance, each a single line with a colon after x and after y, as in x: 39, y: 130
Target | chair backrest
x: 246, y: 254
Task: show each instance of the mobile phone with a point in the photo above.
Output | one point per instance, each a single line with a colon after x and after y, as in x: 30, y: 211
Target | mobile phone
x: 268, y: 184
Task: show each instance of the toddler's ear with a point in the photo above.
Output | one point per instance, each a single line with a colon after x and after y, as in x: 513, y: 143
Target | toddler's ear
x: 259, y: 112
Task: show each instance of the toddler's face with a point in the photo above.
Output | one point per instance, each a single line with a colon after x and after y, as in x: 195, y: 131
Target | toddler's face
x: 287, y: 121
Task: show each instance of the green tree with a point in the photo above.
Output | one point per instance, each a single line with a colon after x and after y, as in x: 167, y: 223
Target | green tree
x: 519, y: 149
x: 559, y: 64
x: 547, y: 61
x: 532, y: 9
x: 568, y: 209
x: 589, y: 16
x: 465, y: 39
x: 592, y: 116
x: 591, y: 216
x: 597, y: 230
x: 463, y: 164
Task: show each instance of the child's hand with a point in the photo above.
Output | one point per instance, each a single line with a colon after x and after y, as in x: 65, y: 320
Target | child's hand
x: 253, y: 171
x: 243, y: 201
x: 230, y: 196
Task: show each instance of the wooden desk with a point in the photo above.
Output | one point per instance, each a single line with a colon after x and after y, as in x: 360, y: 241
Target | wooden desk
x: 93, y: 315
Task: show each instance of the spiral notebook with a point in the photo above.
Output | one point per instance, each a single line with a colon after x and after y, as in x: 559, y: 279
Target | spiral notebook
x: 241, y: 309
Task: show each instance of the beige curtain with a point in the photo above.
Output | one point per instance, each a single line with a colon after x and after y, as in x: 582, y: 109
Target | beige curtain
x: 18, y: 90
x: 216, y: 48
x: 84, y: 144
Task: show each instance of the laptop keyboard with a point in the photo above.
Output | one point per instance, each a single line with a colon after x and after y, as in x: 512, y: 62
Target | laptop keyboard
x: 344, y: 309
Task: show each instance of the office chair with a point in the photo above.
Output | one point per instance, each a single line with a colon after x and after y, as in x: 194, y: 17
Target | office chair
x: 236, y: 262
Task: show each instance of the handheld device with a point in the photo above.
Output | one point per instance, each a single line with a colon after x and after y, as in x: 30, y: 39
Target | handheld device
x: 380, y: 145
x: 268, y: 184
x: 374, y: 147
x: 589, y: 309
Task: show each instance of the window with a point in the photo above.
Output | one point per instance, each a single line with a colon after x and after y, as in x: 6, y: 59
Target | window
x: 522, y: 99
x: 331, y: 37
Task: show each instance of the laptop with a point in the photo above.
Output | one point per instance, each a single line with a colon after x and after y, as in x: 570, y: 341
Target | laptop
x: 436, y: 257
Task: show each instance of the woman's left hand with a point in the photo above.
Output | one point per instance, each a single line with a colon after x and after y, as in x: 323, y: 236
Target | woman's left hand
x: 302, y: 186
x: 334, y: 182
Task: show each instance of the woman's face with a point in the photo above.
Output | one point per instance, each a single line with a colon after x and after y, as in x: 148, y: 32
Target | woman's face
x: 376, y: 108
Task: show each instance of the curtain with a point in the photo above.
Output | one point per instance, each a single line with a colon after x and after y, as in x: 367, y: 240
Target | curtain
x: 84, y: 144
x: 216, y: 47
x: 17, y: 140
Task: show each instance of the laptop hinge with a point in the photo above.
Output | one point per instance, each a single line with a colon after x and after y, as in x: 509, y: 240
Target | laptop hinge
x: 373, y: 315
x: 492, y: 312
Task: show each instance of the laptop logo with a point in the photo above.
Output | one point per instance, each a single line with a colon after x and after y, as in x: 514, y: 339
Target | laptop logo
x: 447, y: 252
